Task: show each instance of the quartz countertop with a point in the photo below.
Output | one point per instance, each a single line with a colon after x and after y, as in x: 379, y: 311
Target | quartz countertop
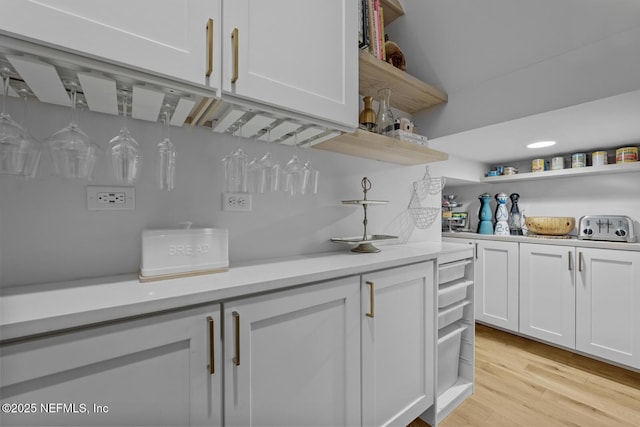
x: 43, y: 308
x: 573, y: 241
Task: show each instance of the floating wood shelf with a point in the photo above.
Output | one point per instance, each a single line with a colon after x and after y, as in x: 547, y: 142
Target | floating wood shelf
x: 408, y: 93
x: 379, y: 147
x: 392, y: 10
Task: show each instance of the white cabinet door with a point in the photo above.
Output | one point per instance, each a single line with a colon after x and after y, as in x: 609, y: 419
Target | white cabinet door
x: 547, y: 293
x: 608, y: 304
x: 154, y: 371
x: 496, y: 283
x: 167, y: 37
x: 292, y: 358
x: 397, y: 344
x: 299, y: 55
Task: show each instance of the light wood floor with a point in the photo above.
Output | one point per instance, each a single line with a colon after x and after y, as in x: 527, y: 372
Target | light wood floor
x: 523, y: 383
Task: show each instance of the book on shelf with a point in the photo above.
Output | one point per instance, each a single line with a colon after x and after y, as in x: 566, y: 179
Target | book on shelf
x: 371, y: 35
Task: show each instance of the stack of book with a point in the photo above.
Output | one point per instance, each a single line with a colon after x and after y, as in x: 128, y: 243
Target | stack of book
x: 371, y: 30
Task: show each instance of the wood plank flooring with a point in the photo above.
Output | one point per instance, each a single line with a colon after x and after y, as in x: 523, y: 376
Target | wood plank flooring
x: 523, y: 383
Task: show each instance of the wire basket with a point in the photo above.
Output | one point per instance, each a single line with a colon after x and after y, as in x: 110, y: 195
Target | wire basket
x: 423, y: 217
x: 428, y: 185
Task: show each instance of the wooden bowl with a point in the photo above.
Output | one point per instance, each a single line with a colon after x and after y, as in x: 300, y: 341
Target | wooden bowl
x: 550, y: 225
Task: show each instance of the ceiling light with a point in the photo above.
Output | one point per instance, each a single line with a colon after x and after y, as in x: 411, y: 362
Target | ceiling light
x: 541, y: 144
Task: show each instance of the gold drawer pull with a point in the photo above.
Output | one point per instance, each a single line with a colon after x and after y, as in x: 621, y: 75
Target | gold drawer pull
x: 236, y: 359
x: 234, y: 39
x: 209, y: 47
x: 371, y: 299
x: 212, y: 346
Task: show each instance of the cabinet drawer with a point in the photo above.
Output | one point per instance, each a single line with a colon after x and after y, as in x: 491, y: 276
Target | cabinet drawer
x: 452, y: 293
x: 448, y: 315
x: 452, y: 271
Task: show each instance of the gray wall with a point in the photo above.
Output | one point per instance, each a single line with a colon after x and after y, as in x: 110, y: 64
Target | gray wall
x: 47, y: 234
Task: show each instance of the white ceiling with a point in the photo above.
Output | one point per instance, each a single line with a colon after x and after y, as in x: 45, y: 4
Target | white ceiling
x: 603, y: 124
x: 522, y: 70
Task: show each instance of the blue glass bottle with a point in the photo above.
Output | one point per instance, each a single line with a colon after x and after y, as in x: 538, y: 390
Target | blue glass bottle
x: 485, y: 226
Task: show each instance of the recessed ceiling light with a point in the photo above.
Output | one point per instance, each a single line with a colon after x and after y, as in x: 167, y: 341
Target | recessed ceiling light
x: 541, y: 144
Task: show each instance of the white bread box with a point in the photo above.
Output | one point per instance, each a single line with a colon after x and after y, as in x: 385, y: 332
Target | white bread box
x: 170, y: 253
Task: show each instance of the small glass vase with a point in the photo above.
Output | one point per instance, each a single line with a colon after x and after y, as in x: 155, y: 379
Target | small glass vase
x: 385, y: 116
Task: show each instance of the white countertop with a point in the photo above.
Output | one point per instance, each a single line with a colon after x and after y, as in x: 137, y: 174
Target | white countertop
x: 547, y: 241
x: 37, y: 309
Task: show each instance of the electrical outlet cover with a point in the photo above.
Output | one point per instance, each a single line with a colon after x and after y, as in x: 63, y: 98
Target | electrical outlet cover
x: 236, y: 202
x: 102, y: 198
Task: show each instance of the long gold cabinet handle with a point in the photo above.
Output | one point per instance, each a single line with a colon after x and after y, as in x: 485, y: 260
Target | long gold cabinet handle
x: 234, y: 40
x: 570, y: 261
x: 371, y: 299
x: 209, y: 47
x: 236, y: 317
x: 212, y: 346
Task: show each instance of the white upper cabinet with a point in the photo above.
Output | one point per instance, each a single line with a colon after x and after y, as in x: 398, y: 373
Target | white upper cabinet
x: 169, y: 38
x: 300, y: 55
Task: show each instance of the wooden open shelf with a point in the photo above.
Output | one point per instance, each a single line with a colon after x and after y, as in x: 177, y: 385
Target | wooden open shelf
x: 408, y: 93
x: 392, y: 10
x: 565, y: 173
x: 379, y: 147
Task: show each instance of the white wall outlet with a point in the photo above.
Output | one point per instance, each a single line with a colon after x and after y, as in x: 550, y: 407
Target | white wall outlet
x: 100, y: 198
x: 236, y: 202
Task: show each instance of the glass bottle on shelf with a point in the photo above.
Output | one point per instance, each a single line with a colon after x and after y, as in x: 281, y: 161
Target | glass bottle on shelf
x: 385, y: 116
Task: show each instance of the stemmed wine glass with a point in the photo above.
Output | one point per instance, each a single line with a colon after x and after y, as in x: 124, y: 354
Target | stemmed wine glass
x: 166, y: 158
x: 126, y: 158
x: 34, y: 147
x: 73, y: 153
x: 271, y: 170
x: 236, y: 166
x: 14, y: 147
x: 294, y: 173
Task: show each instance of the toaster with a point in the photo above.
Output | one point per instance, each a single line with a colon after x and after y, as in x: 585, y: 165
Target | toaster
x: 613, y: 228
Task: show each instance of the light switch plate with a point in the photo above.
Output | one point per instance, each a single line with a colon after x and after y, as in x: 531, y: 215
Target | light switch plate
x: 103, y: 198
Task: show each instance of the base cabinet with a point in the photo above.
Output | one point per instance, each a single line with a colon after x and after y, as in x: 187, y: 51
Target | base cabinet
x: 397, y: 344
x: 150, y: 372
x: 547, y: 293
x: 607, y: 304
x: 292, y: 358
x: 496, y: 284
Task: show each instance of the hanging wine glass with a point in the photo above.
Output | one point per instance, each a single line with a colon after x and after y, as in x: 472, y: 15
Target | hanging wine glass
x: 166, y: 158
x: 226, y: 168
x: 73, y: 153
x: 294, y: 173
x: 126, y: 158
x: 271, y: 170
x: 239, y: 163
x: 254, y: 172
x: 13, y: 145
x: 311, y: 179
x: 33, y: 146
